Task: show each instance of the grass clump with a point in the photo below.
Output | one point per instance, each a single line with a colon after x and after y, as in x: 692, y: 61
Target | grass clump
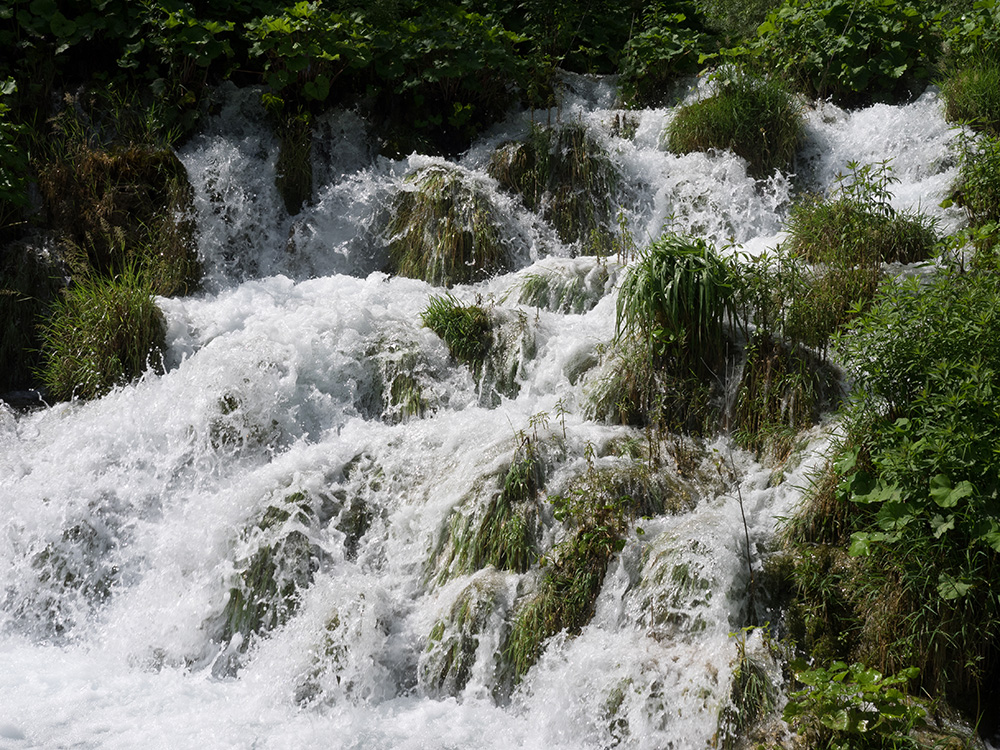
x: 565, y: 291
x: 445, y: 230
x: 466, y: 329
x: 566, y: 175
x: 674, y: 301
x: 972, y: 95
x: 750, y: 115
x: 101, y: 333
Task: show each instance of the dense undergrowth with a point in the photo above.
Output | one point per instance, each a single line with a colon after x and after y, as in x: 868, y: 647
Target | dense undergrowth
x: 892, y: 563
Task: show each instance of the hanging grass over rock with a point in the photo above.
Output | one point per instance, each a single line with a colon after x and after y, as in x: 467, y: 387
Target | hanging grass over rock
x: 293, y: 170
x: 445, y: 230
x: 750, y: 115
x: 101, y: 333
x: 492, y: 343
x: 782, y: 391
x: 565, y: 174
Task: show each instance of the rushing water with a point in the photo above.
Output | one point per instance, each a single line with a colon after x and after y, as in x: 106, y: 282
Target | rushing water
x: 128, y: 521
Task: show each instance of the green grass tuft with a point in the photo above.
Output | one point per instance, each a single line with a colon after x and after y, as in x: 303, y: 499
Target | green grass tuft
x: 752, y: 116
x: 101, y: 333
x: 466, y: 329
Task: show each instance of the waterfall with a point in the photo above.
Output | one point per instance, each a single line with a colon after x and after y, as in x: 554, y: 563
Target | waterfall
x: 309, y: 429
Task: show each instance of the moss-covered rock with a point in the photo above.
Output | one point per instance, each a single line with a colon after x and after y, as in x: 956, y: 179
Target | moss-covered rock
x: 454, y: 642
x: 293, y: 171
x: 124, y: 207
x: 782, y: 390
x: 30, y: 279
x: 445, y: 230
x: 566, y: 175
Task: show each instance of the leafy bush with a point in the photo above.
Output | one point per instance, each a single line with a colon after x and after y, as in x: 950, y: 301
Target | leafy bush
x: 735, y: 19
x: 854, y: 51
x: 667, y: 48
x: 100, y: 334
x: 851, y: 707
x: 978, y: 191
x: 924, y: 475
x: 754, y: 117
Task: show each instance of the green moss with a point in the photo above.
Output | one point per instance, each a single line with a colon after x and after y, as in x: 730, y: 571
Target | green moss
x: 445, y: 230
x: 267, y: 589
x: 446, y: 664
x: 754, y: 117
x: 563, y: 173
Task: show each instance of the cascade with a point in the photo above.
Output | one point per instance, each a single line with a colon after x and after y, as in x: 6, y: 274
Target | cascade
x: 276, y: 542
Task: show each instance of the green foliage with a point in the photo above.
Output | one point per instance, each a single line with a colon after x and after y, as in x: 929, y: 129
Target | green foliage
x: 566, y: 175
x: 736, y: 19
x: 852, y: 707
x: 971, y: 31
x: 978, y: 191
x: 972, y: 95
x: 101, y: 333
x: 675, y: 300
x: 752, y: 697
x: 466, y: 329
x: 854, y: 51
x: 752, y: 116
x: 444, y: 229
x: 666, y: 48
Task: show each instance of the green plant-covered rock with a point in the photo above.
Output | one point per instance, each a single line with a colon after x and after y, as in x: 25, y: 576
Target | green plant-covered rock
x: 754, y: 117
x: 565, y: 174
x: 445, y: 230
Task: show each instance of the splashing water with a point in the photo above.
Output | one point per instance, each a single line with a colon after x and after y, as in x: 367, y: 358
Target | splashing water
x: 279, y: 437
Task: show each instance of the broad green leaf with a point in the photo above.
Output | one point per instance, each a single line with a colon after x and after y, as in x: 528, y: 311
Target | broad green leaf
x: 952, y: 588
x: 947, y: 496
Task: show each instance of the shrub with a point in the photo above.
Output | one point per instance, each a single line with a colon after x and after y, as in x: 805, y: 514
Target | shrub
x: 667, y: 48
x: 752, y: 116
x: 923, y: 477
x: 854, y: 51
x: 566, y: 175
x: 444, y: 230
x: 100, y: 334
x: 735, y: 19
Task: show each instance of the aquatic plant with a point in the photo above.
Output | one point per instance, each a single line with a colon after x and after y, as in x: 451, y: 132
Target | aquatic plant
x: 444, y: 230
x: 564, y: 292
x: 466, y: 329
x: 101, y: 333
x: 752, y: 116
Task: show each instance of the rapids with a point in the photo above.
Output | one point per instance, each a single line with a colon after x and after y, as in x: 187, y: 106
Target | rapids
x: 128, y: 520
